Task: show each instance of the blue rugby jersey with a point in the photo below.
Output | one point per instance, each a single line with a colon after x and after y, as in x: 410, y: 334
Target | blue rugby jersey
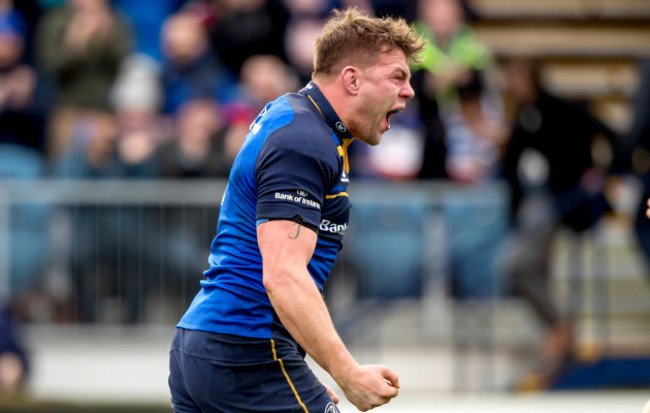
x: 293, y: 163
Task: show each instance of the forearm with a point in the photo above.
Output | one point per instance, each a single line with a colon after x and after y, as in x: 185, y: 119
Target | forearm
x: 286, y: 252
x: 303, y: 312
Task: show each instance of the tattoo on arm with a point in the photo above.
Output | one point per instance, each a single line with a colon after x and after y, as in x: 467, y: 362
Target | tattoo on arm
x: 297, y: 232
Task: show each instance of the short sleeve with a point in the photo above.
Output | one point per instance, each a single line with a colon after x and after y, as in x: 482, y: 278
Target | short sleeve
x: 292, y: 178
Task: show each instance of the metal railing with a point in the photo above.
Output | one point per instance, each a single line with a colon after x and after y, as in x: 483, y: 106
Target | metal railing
x: 410, y: 212
x: 62, y: 193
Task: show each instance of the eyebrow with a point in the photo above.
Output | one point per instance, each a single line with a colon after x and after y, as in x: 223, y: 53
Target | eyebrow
x: 403, y: 73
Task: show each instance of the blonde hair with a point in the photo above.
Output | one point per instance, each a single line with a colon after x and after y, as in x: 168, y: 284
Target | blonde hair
x: 351, y: 36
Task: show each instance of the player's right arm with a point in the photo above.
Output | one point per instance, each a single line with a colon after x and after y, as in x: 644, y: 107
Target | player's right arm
x: 286, y: 248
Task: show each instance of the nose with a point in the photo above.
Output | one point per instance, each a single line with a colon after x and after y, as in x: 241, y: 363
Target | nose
x: 407, y: 91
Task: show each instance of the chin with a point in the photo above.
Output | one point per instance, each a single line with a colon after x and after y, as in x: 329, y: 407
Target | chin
x: 378, y: 137
x: 372, y: 137
x: 372, y: 140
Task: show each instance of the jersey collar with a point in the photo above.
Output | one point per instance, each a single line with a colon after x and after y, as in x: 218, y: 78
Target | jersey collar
x: 329, y: 115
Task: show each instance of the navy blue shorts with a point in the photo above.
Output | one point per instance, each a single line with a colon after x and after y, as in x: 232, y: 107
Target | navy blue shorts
x: 221, y: 373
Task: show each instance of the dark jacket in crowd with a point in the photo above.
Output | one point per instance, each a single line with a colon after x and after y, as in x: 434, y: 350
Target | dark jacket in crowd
x: 81, y: 79
x: 562, y: 132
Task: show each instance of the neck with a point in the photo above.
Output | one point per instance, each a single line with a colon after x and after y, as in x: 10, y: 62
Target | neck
x: 336, y: 95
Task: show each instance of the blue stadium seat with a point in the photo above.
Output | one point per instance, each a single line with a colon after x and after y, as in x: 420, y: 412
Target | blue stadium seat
x: 476, y: 226
x: 28, y: 236
x: 386, y: 245
x: 19, y: 162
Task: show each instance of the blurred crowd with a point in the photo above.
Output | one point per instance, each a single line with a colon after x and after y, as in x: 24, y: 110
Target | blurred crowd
x: 167, y: 89
x: 113, y: 88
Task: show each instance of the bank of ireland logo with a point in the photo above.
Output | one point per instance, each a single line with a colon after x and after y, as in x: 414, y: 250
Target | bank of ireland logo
x: 301, y: 192
x: 331, y: 408
x: 341, y: 127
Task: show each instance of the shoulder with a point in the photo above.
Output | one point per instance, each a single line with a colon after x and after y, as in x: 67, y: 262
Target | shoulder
x: 296, y: 137
x: 291, y: 124
x: 307, y: 129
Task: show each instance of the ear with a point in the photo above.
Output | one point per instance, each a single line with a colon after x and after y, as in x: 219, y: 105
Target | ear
x: 351, y: 77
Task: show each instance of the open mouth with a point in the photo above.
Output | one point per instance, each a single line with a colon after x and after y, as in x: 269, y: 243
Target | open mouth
x: 391, y: 113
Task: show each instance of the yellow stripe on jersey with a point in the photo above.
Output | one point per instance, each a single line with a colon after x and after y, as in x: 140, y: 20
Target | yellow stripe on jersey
x: 312, y: 101
x: 346, y: 163
x: 343, y: 150
x: 336, y: 195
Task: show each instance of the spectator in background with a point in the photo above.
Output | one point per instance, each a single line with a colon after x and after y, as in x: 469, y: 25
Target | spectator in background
x: 299, y: 45
x: 31, y: 11
x: 476, y: 135
x: 190, y: 71
x: 265, y: 77
x: 20, y: 157
x: 398, y: 158
x: 197, y: 150
x: 453, y: 52
x: 137, y: 98
x: 452, y: 55
x: 81, y: 46
x: 146, y: 18
x: 91, y: 150
x: 554, y: 180
x: 248, y: 27
x: 20, y: 121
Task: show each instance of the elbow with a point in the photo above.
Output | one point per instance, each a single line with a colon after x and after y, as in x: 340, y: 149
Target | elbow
x: 282, y: 276
x: 274, y: 279
x: 268, y: 281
